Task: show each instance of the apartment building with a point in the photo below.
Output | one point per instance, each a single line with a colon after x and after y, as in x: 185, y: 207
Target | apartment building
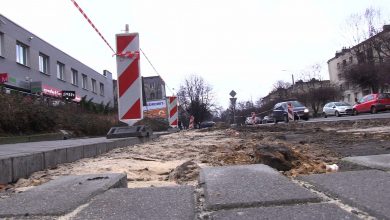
x: 30, y: 64
x: 362, y: 52
x: 154, y: 88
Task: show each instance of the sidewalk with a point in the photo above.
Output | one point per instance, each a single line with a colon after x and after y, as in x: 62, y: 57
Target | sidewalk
x: 231, y: 192
x: 22, y: 159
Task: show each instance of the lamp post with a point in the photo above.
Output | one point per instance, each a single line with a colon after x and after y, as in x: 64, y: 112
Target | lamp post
x: 292, y: 77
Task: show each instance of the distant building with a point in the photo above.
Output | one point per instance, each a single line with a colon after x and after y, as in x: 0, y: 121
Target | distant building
x: 362, y: 52
x: 32, y: 65
x: 154, y: 88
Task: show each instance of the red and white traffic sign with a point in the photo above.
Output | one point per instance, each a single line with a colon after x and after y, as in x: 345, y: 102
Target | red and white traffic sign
x: 129, y: 78
x: 172, y: 109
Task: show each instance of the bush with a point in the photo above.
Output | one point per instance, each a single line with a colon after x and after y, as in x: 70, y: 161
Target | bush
x: 21, y: 114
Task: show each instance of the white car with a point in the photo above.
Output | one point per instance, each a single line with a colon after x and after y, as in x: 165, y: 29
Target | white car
x: 337, y: 109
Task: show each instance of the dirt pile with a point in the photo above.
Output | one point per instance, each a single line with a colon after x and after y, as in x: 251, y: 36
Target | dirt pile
x: 156, y: 124
x: 294, y: 149
x: 188, y: 171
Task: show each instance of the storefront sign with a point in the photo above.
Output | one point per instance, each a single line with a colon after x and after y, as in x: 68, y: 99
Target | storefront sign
x: 3, y: 78
x: 48, y: 90
x: 156, y: 109
x: 36, y: 87
x: 68, y: 94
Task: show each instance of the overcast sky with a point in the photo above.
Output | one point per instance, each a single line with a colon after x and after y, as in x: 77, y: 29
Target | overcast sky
x: 241, y: 45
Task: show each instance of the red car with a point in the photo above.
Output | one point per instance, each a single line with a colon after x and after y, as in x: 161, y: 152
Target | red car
x: 372, y: 103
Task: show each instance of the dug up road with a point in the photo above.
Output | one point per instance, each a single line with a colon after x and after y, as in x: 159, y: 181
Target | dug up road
x: 293, y: 149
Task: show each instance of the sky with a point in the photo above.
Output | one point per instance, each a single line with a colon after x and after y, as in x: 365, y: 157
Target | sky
x: 245, y: 46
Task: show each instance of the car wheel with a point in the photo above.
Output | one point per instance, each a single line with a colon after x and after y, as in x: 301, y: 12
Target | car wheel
x: 355, y: 112
x: 325, y: 115
x: 337, y: 114
x: 285, y: 118
x: 373, y: 110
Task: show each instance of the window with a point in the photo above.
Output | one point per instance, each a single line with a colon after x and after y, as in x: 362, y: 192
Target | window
x: 344, y: 63
x: 350, y: 59
x: 93, y: 85
x: 101, y: 89
x: 84, y: 83
x: 60, y: 71
x: 21, y: 53
x: 349, y: 97
x: 75, y: 77
x: 1, y: 44
x: 43, y: 63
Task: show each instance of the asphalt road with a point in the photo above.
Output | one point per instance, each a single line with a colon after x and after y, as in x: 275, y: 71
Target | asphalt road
x: 362, y: 116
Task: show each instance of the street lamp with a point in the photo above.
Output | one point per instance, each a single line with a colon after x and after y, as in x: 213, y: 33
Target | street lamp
x: 292, y: 76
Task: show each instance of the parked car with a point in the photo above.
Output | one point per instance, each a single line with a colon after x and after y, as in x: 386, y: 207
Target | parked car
x: 267, y: 119
x: 280, y: 112
x: 207, y: 124
x: 337, y: 109
x: 250, y: 121
x: 372, y: 103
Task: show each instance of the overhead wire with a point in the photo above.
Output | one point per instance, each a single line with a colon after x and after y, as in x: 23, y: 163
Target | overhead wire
x: 99, y: 33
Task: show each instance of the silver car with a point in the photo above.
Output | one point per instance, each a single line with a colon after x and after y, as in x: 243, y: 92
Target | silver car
x: 337, y: 109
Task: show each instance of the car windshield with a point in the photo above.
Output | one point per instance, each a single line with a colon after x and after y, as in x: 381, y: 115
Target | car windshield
x: 297, y: 104
x: 341, y: 104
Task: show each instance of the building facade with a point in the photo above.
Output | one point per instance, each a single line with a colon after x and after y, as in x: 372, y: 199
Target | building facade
x: 362, y: 52
x: 32, y: 65
x: 154, y: 88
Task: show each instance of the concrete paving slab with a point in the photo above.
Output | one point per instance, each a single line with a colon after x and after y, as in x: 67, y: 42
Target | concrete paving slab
x: 23, y: 166
x: 249, y: 185
x: 54, y: 157
x: 381, y: 162
x: 59, y: 196
x: 5, y: 170
x: 368, y: 190
x: 293, y: 212
x: 143, y: 203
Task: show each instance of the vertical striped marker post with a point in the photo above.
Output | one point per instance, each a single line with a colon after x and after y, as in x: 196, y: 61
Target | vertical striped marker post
x: 129, y: 78
x: 172, y: 109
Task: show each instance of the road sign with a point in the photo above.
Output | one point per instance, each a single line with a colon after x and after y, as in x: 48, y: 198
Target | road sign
x: 233, y: 93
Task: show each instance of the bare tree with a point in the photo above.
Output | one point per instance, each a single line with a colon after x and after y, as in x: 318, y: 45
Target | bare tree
x: 372, y: 50
x: 196, y: 97
x: 313, y: 91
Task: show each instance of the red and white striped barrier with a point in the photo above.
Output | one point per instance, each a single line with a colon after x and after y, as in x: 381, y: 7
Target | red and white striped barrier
x: 172, y: 109
x: 191, y: 125
x: 129, y: 78
x: 290, y: 112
